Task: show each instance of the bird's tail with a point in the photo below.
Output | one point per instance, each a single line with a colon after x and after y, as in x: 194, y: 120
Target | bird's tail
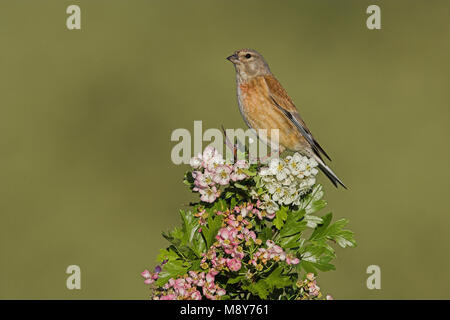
x: 329, y: 173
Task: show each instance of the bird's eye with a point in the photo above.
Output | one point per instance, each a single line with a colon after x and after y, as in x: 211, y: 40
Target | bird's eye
x: 248, y: 55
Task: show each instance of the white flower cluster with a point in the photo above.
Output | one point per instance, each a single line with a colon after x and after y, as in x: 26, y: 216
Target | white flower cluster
x: 286, y: 180
x: 211, y: 172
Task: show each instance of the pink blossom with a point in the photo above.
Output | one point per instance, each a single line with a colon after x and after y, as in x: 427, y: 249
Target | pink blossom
x: 234, y: 264
x: 196, y: 162
x: 224, y: 233
x: 214, y: 272
x: 211, y: 159
x: 150, y: 277
x: 202, y: 180
x: 209, y: 277
x: 209, y: 194
x: 277, y: 249
x: 238, y: 170
x: 228, y: 233
x: 310, y: 276
x: 222, y: 292
x: 270, y: 216
x: 190, y: 286
x: 291, y: 260
x: 209, y: 153
x: 196, y: 295
x: 270, y: 244
x: 222, y: 175
x: 146, y: 274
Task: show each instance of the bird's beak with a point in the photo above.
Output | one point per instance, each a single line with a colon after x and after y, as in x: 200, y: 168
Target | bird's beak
x: 233, y: 58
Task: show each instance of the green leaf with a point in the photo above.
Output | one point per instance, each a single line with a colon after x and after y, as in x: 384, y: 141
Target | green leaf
x: 249, y: 173
x: 315, y: 195
x: 198, y: 244
x: 171, y: 269
x: 233, y: 203
x: 308, y: 267
x: 317, y: 258
x: 265, y: 234
x: 166, y: 254
x: 315, y: 206
x: 323, y: 264
x: 195, y: 266
x: 259, y: 289
x: 229, y: 194
x: 188, y: 179
x: 264, y: 286
x: 189, y: 226
x: 240, y: 186
x: 257, y: 180
x: 220, y: 205
x: 294, y: 223
x: 235, y: 280
x: 277, y: 280
x: 312, y: 221
x: 211, y: 229
x: 280, y: 217
x: 187, y: 241
x: 321, y: 229
x: 291, y: 241
x: 335, y: 232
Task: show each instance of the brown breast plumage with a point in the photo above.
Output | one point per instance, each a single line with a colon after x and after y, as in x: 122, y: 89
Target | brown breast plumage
x: 260, y: 113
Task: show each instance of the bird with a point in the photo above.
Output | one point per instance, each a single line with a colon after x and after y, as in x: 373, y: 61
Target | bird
x: 265, y: 104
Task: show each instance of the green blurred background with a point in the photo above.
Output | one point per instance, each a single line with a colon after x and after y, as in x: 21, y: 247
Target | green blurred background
x: 86, y: 118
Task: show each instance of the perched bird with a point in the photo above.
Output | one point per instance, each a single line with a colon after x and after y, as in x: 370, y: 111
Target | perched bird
x: 265, y: 104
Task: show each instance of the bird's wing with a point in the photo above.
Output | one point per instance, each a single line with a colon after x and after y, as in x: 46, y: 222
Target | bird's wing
x: 281, y: 99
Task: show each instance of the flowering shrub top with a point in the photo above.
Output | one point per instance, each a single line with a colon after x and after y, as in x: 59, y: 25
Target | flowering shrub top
x: 246, y: 237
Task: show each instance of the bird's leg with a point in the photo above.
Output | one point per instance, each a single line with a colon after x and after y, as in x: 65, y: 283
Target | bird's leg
x: 230, y: 145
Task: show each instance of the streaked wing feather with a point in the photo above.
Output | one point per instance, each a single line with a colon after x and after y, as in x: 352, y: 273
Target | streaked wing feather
x: 281, y: 99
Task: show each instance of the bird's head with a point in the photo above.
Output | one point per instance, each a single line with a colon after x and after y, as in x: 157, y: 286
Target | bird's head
x: 249, y: 64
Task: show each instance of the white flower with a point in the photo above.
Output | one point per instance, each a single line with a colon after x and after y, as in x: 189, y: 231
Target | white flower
x: 269, y: 205
x: 278, y: 168
x: 213, y: 163
x: 265, y: 172
x: 313, y: 163
x: 238, y: 170
x: 310, y: 167
x: 222, y: 175
x: 268, y: 180
x: 296, y: 165
x: 311, y: 181
x: 272, y: 186
x: 196, y: 162
x: 209, y: 194
x: 211, y: 158
x: 279, y: 192
x: 202, y: 180
x: 303, y: 184
x: 288, y: 195
x: 287, y: 179
x: 209, y: 153
x: 254, y: 194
